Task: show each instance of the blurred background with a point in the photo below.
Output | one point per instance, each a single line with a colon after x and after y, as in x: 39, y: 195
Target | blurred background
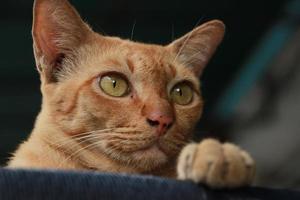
x: 251, y: 87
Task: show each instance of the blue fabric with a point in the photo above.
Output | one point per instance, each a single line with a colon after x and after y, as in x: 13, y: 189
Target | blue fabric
x: 59, y: 185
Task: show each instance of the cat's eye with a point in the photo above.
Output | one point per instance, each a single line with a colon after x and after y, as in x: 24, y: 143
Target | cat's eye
x: 114, y: 85
x: 182, y: 93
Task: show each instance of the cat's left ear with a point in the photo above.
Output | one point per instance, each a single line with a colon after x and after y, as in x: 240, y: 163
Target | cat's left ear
x: 197, y: 47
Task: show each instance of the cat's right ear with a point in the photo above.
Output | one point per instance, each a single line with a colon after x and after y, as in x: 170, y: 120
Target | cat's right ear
x: 57, y: 31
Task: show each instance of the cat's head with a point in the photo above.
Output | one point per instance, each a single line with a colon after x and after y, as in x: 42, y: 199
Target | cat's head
x: 137, y: 103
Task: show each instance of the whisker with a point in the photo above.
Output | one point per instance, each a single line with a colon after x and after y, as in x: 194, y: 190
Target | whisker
x: 126, y: 143
x: 173, y: 32
x: 132, y: 31
x: 189, y: 60
x: 117, y: 129
x: 187, y: 39
x: 97, y: 134
x: 70, y: 143
x: 80, y: 150
x: 76, y: 141
x: 70, y: 139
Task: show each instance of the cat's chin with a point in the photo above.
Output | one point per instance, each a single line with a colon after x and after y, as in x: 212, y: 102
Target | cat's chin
x: 154, y: 151
x: 150, y: 157
x: 145, y: 159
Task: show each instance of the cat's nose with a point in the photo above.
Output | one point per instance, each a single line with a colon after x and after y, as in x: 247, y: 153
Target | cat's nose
x: 162, y: 122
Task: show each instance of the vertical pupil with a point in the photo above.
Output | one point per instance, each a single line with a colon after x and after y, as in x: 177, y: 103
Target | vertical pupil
x: 179, y: 91
x: 114, y: 82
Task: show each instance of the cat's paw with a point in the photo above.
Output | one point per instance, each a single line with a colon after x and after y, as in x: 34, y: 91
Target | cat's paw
x: 216, y: 165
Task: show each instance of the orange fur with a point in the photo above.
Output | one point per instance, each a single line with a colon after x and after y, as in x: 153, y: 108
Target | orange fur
x: 80, y: 127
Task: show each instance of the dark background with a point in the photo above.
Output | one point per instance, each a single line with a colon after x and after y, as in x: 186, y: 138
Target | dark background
x: 155, y: 22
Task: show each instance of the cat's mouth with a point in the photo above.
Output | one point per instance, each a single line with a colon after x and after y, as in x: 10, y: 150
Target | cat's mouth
x: 158, y: 150
x: 132, y: 146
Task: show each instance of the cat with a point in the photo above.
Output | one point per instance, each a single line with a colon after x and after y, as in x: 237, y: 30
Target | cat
x: 114, y: 105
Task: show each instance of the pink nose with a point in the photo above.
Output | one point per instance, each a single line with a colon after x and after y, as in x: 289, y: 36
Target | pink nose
x: 161, y: 121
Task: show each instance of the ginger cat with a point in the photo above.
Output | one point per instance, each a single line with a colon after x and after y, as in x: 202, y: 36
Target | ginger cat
x: 114, y: 105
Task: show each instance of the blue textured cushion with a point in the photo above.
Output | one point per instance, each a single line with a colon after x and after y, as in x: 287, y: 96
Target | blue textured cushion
x: 59, y: 185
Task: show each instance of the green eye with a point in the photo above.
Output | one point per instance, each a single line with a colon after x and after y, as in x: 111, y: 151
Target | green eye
x: 182, y: 94
x: 114, y: 85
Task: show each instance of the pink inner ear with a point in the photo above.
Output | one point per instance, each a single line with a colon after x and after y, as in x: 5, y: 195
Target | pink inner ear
x: 197, y: 47
x: 46, y: 42
x: 44, y: 33
x: 47, y: 45
x: 57, y: 30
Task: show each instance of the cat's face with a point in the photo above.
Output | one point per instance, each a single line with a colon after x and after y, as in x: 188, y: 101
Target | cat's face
x: 134, y: 102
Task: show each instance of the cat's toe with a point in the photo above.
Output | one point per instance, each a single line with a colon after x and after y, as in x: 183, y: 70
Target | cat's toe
x: 198, y: 161
x: 186, y: 161
x: 250, y: 166
x: 240, y: 167
x: 216, y: 165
